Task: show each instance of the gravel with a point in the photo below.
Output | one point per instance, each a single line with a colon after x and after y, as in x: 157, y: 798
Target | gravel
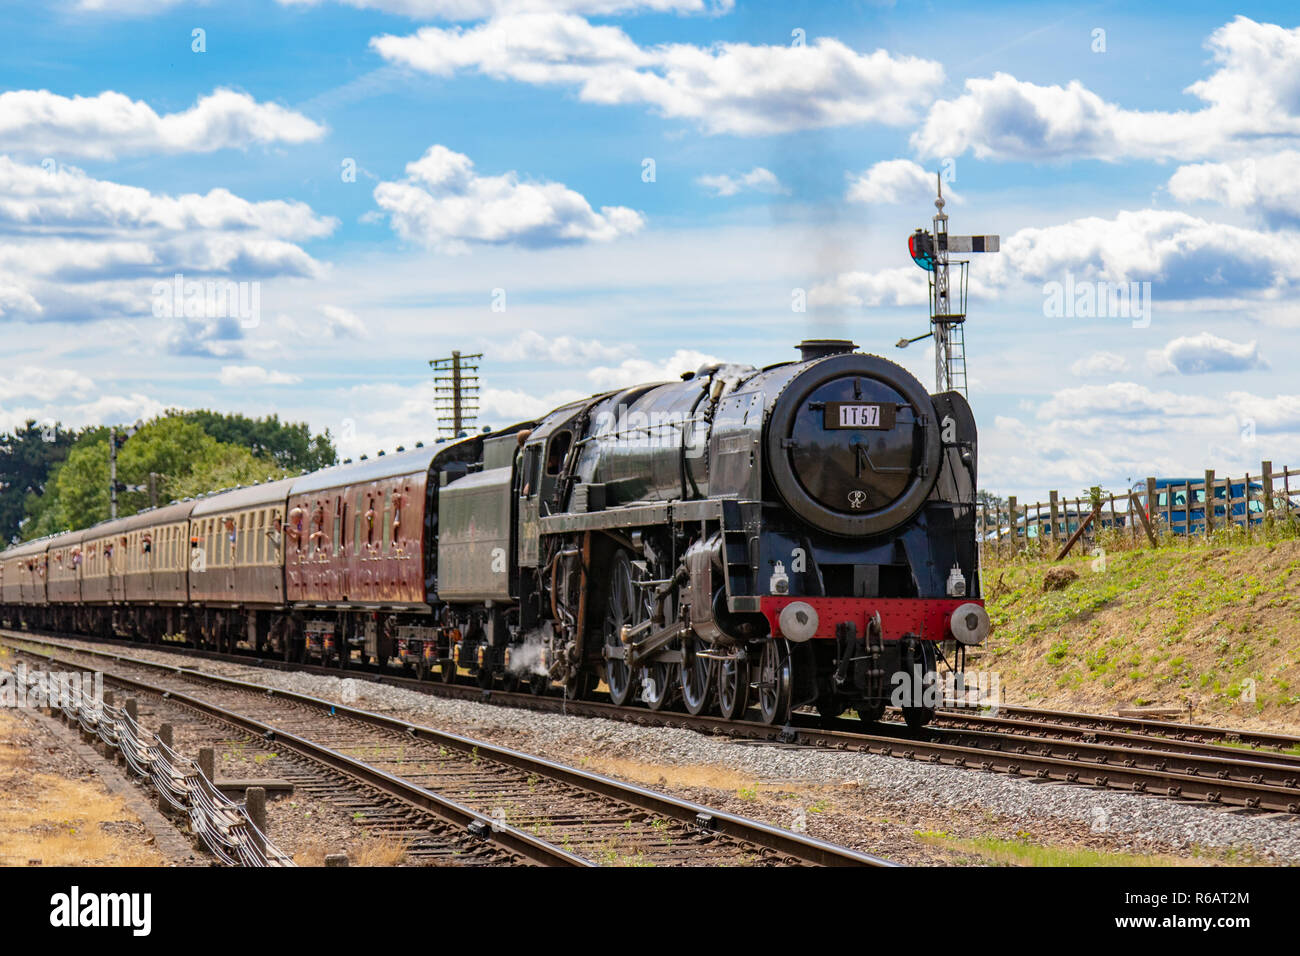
x: 1070, y: 812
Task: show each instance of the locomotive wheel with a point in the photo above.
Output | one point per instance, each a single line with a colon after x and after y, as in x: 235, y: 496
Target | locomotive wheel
x: 698, y: 677
x: 485, y: 677
x: 447, y: 671
x: 918, y: 717
x: 582, y: 686
x: 539, y: 684
x: 733, y: 688
x: 623, y: 607
x: 774, y: 681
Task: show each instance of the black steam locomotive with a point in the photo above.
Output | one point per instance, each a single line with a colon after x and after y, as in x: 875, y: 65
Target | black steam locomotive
x: 802, y: 534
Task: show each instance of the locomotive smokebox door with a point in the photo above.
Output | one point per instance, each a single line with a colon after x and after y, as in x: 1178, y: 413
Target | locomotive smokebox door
x: 853, y: 445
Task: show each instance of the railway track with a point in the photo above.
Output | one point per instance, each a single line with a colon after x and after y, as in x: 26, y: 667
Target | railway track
x: 535, y: 810
x: 1168, y: 759
x: 1146, y: 727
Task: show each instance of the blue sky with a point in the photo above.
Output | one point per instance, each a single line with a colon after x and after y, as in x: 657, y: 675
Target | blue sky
x: 502, y: 145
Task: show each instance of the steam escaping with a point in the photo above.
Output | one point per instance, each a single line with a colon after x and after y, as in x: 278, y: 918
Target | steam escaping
x: 526, y: 659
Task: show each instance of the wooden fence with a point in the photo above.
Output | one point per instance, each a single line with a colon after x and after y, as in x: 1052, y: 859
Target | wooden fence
x: 1144, y: 514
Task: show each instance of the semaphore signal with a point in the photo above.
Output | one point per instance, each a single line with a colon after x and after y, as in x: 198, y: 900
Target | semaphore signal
x: 931, y: 252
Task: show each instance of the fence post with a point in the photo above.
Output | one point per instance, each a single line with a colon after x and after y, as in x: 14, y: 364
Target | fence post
x: 1245, y: 506
x: 1011, y: 521
x: 255, y: 804
x: 208, y: 763
x: 1153, y: 509
x: 1266, y: 476
x: 1052, y: 504
x: 1209, y: 501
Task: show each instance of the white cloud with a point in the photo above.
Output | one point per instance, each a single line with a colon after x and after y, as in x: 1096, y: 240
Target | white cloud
x: 48, y: 201
x: 460, y: 10
x: 905, y: 285
x: 1124, y: 400
x: 530, y: 346
x: 327, y: 322
x: 1254, y: 94
x: 387, y: 415
x: 45, y: 384
x: 40, y: 123
x: 1206, y: 352
x: 16, y: 300
x: 1276, y: 414
x: 640, y: 371
x: 1268, y: 185
x: 114, y: 409
x: 504, y: 406
x: 443, y: 204
x: 1099, y: 363
x: 733, y: 88
x: 758, y: 179
x: 895, y: 181
x: 74, y: 247
x: 1184, y: 256
x: 242, y: 376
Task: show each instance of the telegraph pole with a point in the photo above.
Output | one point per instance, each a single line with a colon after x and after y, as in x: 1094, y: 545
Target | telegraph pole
x: 456, y: 389
x: 112, y: 472
x: 116, y: 439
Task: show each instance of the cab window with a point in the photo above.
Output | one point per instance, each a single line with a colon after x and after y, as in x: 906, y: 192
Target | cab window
x: 531, y: 470
x: 559, y: 450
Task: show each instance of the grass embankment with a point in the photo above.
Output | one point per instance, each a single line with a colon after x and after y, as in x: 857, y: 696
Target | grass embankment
x: 1212, y: 627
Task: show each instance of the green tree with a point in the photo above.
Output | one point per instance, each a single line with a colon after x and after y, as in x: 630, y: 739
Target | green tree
x: 27, y: 458
x: 290, y: 445
x: 185, y: 459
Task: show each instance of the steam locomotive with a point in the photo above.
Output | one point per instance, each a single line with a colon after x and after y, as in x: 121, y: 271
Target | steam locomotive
x: 742, y: 539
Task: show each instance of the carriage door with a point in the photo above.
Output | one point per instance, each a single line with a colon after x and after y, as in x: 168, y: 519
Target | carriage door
x: 527, y: 481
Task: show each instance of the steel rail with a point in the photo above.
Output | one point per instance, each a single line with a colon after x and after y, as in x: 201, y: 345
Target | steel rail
x: 1169, y: 729
x: 1144, y: 764
x: 799, y: 846
x: 517, y: 841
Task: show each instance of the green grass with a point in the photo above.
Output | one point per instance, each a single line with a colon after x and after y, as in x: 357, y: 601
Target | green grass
x: 1022, y: 852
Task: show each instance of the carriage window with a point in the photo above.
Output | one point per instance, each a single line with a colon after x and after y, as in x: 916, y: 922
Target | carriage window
x: 356, y: 526
x: 559, y: 450
x: 388, y: 520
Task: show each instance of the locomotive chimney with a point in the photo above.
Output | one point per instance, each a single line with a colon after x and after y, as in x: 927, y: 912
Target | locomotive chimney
x: 810, y: 349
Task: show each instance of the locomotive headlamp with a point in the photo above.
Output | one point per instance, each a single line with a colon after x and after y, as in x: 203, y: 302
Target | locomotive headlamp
x: 798, y: 621
x: 970, y: 624
x: 956, y: 582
